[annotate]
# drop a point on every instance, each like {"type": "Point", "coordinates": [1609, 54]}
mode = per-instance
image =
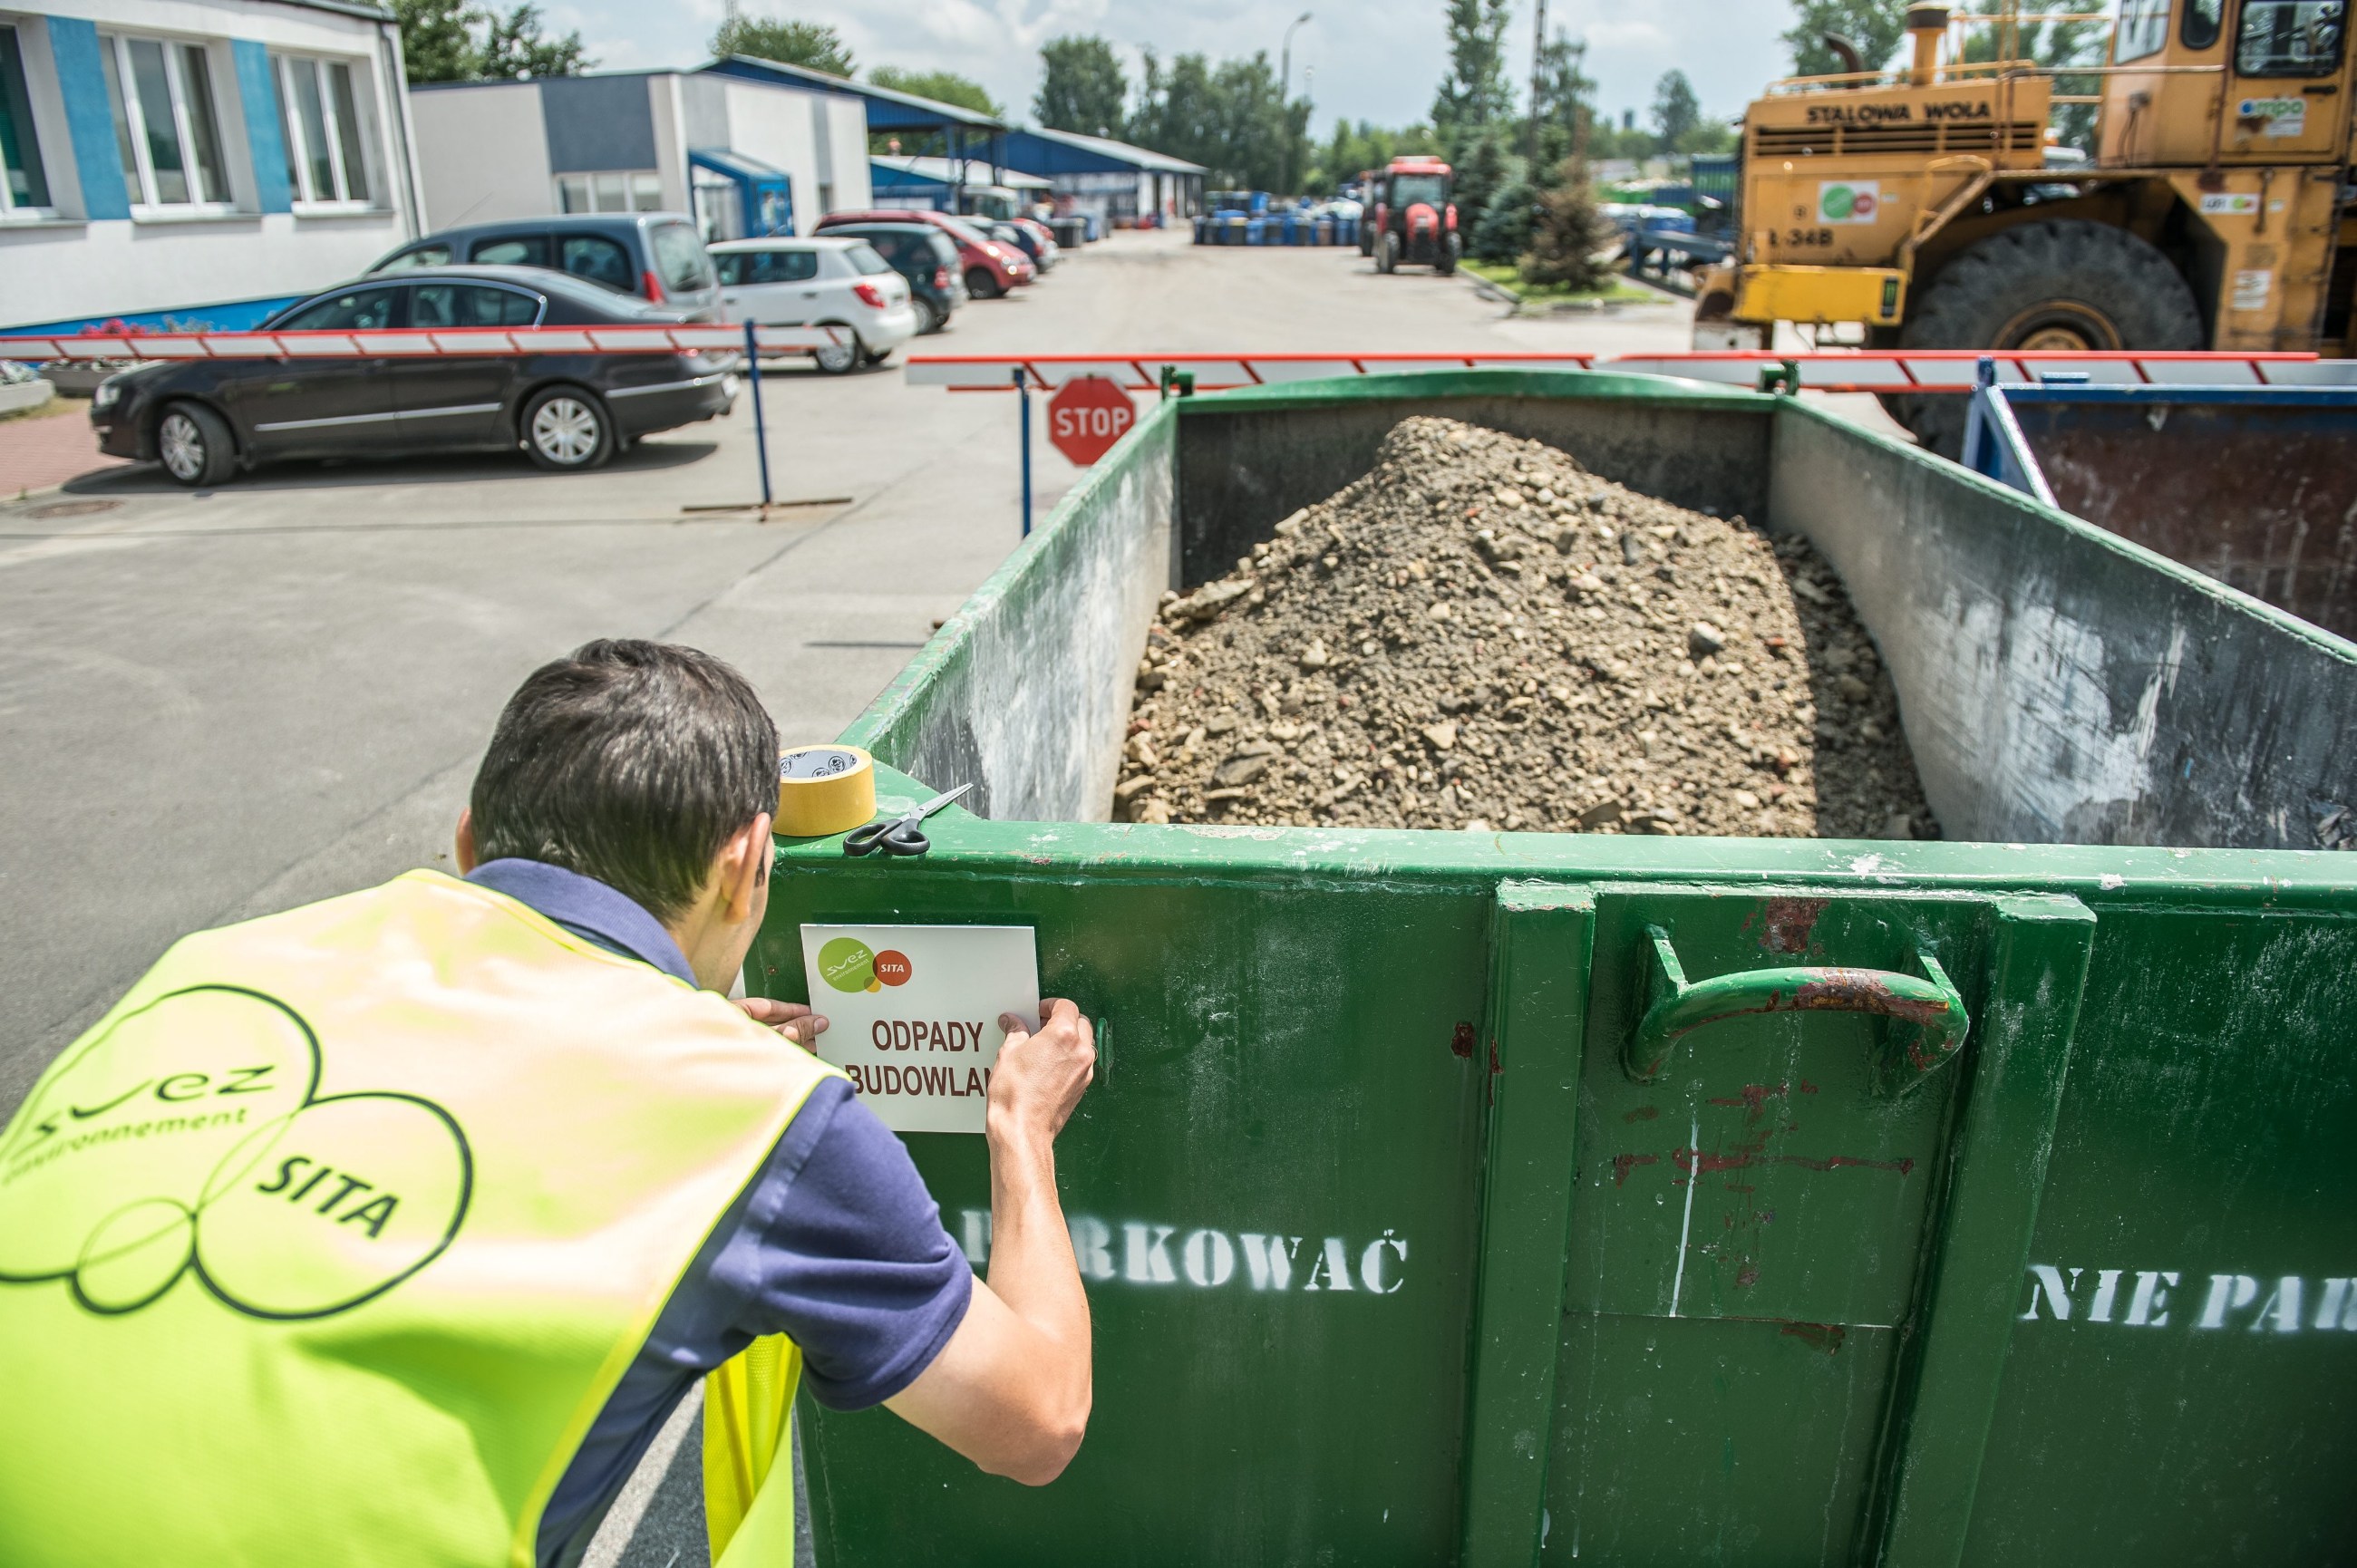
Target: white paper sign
{"type": "Point", "coordinates": [912, 1013]}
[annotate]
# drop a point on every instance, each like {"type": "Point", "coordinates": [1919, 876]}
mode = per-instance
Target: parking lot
{"type": "Point", "coordinates": [227, 701]}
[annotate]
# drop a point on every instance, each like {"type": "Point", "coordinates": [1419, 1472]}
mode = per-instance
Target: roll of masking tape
{"type": "Point", "coordinates": [823, 789]}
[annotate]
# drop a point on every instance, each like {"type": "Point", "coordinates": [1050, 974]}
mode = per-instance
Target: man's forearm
{"type": "Point", "coordinates": [1031, 1264]}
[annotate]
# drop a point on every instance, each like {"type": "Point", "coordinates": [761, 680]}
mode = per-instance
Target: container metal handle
{"type": "Point", "coordinates": [1679, 1007]}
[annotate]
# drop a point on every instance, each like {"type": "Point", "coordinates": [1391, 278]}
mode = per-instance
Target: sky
{"type": "Point", "coordinates": [1370, 60]}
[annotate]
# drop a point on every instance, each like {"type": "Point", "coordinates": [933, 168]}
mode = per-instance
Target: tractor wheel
{"type": "Point", "coordinates": [2063, 283]}
{"type": "Point", "coordinates": [1450, 248]}
{"type": "Point", "coordinates": [1387, 253]}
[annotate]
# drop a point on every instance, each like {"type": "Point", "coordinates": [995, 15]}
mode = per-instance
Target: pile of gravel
{"type": "Point", "coordinates": [1482, 634]}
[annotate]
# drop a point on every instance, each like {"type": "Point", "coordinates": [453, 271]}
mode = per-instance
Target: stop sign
{"type": "Point", "coordinates": [1086, 416]}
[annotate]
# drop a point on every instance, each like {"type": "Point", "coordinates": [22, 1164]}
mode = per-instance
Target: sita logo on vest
{"type": "Point", "coordinates": [191, 1130]}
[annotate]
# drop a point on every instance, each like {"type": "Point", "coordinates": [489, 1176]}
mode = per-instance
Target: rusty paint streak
{"type": "Point", "coordinates": [1790, 924]}
{"type": "Point", "coordinates": [1755, 1097]}
{"type": "Point", "coordinates": [1460, 1041]}
{"type": "Point", "coordinates": [1623, 1163]}
{"type": "Point", "coordinates": [1694, 1161]}
{"type": "Point", "coordinates": [1863, 991]}
{"type": "Point", "coordinates": [1642, 1113]}
{"type": "Point", "coordinates": [1825, 1336]}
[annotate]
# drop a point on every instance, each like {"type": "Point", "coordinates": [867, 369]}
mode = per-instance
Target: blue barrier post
{"type": "Point", "coordinates": [761, 427]}
{"type": "Point", "coordinates": [1023, 398]}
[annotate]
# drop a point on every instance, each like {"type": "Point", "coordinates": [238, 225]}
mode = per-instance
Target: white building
{"type": "Point", "coordinates": [745, 158]}
{"type": "Point", "coordinates": [185, 162]}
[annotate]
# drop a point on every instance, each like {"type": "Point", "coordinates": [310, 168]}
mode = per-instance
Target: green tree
{"type": "Point", "coordinates": [1876, 26]}
{"type": "Point", "coordinates": [1505, 231]}
{"type": "Point", "coordinates": [811, 44]}
{"type": "Point", "coordinates": [1569, 235]}
{"type": "Point", "coordinates": [435, 44]}
{"type": "Point", "coordinates": [449, 41]}
{"type": "Point", "coordinates": [516, 48]}
{"type": "Point", "coordinates": [1482, 176]}
{"type": "Point", "coordinates": [941, 86]}
{"type": "Point", "coordinates": [1713, 138]}
{"type": "Point", "coordinates": [1676, 110]}
{"type": "Point", "coordinates": [1231, 118]}
{"type": "Point", "coordinates": [1563, 101]}
{"type": "Point", "coordinates": [1353, 149]}
{"type": "Point", "coordinates": [2053, 46]}
{"type": "Point", "coordinates": [1081, 87]}
{"type": "Point", "coordinates": [1474, 93]}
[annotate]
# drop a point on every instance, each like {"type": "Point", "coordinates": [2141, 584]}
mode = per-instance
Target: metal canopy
{"type": "Point", "coordinates": [968, 135]}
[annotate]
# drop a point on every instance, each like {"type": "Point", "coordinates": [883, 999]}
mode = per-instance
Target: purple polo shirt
{"type": "Point", "coordinates": [835, 1243]}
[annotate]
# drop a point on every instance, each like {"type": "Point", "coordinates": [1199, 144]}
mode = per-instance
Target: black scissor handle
{"type": "Point", "coordinates": [900, 837]}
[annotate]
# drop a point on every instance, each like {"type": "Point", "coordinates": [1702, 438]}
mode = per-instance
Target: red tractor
{"type": "Point", "coordinates": [1414, 223]}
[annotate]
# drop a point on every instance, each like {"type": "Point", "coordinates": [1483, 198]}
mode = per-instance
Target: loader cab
{"type": "Point", "coordinates": [2279, 70]}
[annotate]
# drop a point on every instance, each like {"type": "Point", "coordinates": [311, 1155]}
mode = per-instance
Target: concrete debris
{"type": "Point", "coordinates": [1459, 640]}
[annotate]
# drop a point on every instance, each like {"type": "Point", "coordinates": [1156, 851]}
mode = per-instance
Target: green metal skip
{"type": "Point", "coordinates": [1518, 1198]}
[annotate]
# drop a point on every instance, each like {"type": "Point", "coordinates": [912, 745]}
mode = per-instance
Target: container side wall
{"type": "Point", "coordinates": [2185, 1337]}
{"type": "Point", "coordinates": [2059, 684]}
{"type": "Point", "coordinates": [1026, 691]}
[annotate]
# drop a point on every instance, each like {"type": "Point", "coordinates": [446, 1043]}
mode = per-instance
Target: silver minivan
{"type": "Point", "coordinates": [658, 256]}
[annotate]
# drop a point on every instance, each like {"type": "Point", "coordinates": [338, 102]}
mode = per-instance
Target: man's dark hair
{"type": "Point", "coordinates": [631, 762]}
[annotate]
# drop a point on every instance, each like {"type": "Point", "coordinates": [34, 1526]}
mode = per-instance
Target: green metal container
{"type": "Point", "coordinates": [1503, 1198]}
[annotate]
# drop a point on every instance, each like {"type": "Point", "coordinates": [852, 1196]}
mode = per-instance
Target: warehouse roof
{"type": "Point", "coordinates": [887, 110]}
{"type": "Point", "coordinates": [1068, 152]}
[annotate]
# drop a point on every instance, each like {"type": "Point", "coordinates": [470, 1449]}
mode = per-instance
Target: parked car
{"type": "Point", "coordinates": [924, 255]}
{"type": "Point", "coordinates": [991, 268]}
{"type": "Point", "coordinates": [1034, 239]}
{"type": "Point", "coordinates": [822, 282]}
{"type": "Point", "coordinates": [205, 419]}
{"type": "Point", "coordinates": [658, 256]}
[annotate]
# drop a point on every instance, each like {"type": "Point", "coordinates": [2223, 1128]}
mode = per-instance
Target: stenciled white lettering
{"type": "Point", "coordinates": [1155, 1255]}
{"type": "Point", "coordinates": [2258, 1304]}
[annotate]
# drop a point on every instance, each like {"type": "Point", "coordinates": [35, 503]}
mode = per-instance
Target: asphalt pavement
{"type": "Point", "coordinates": [216, 704]}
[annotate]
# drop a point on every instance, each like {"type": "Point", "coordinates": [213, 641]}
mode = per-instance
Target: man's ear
{"type": "Point", "coordinates": [468, 859]}
{"type": "Point", "coordinates": [744, 869]}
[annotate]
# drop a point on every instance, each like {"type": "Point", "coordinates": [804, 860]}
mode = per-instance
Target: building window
{"type": "Point", "coordinates": [166, 128]}
{"type": "Point", "coordinates": [323, 120]}
{"type": "Point", "coordinates": [614, 192]}
{"type": "Point", "coordinates": [26, 190]}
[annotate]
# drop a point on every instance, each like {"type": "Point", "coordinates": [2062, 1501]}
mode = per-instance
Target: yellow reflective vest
{"type": "Point", "coordinates": [328, 1242]}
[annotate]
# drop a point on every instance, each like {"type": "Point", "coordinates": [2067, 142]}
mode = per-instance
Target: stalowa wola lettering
{"type": "Point", "coordinates": [1144, 1253]}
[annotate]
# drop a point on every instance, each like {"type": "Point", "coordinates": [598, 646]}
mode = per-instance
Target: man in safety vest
{"type": "Point", "coordinates": [391, 1229]}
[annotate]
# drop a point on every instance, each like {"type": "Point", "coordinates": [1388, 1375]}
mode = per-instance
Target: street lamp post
{"type": "Point", "coordinates": [1285, 99]}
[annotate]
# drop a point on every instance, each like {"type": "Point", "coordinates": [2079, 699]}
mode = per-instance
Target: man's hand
{"type": "Point", "coordinates": [1012, 1389]}
{"type": "Point", "coordinates": [791, 1019]}
{"type": "Point", "coordinates": [1039, 1077]}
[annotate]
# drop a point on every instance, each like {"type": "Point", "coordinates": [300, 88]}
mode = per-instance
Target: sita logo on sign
{"type": "Point", "coordinates": [851, 965]}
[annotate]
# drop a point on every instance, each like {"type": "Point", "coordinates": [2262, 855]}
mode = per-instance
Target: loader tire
{"type": "Point", "coordinates": [2059, 283]}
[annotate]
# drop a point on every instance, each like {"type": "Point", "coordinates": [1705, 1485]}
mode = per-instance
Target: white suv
{"type": "Point", "coordinates": [818, 283]}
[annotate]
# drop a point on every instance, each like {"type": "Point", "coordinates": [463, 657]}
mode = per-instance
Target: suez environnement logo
{"type": "Point", "coordinates": [851, 965]}
{"type": "Point", "coordinates": [1848, 201]}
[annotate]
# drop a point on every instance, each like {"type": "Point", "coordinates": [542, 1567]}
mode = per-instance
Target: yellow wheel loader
{"type": "Point", "coordinates": [1932, 208]}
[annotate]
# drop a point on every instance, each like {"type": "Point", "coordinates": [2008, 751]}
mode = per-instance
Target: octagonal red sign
{"type": "Point", "coordinates": [1086, 416]}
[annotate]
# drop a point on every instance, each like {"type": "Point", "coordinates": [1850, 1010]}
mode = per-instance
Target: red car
{"type": "Point", "coordinates": [991, 268]}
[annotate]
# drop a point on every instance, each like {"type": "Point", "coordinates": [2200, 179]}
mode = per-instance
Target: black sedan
{"type": "Point", "coordinates": [205, 419]}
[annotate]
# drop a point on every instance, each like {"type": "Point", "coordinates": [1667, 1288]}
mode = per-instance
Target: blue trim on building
{"type": "Point", "coordinates": [257, 89]}
{"type": "Point", "coordinates": [90, 118]}
{"type": "Point", "coordinates": [230, 315]}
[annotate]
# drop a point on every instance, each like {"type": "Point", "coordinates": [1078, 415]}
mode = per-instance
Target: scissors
{"type": "Point", "coordinates": [901, 835]}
